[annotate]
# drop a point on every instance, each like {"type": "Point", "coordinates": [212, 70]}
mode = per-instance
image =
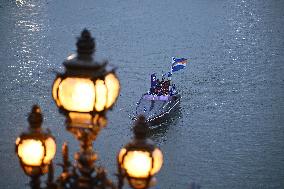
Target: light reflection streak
{"type": "Point", "coordinates": [29, 25]}
{"type": "Point", "coordinates": [243, 23]}
{"type": "Point", "coordinates": [26, 45]}
{"type": "Point", "coordinates": [20, 2]}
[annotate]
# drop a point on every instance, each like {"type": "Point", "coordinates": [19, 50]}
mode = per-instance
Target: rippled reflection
{"type": "Point", "coordinates": [20, 2]}
{"type": "Point", "coordinates": [29, 35]}
{"type": "Point", "coordinates": [28, 25]}
{"type": "Point", "coordinates": [158, 133]}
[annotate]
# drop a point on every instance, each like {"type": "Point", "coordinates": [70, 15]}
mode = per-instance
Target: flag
{"type": "Point", "coordinates": [178, 63]}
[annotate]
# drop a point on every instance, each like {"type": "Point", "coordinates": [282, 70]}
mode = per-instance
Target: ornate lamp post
{"type": "Point", "coordinates": [35, 148]}
{"type": "Point", "coordinates": [84, 93]}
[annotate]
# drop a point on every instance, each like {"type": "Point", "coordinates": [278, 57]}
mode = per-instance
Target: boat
{"type": "Point", "coordinates": [159, 103]}
{"type": "Point", "coordinates": [162, 100]}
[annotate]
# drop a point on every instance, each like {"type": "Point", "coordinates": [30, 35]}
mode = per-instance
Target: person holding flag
{"type": "Point", "coordinates": [153, 80]}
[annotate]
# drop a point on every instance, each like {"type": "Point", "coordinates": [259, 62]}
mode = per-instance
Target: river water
{"type": "Point", "coordinates": [229, 132]}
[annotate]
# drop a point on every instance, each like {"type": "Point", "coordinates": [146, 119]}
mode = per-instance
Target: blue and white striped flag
{"type": "Point", "coordinates": [178, 63]}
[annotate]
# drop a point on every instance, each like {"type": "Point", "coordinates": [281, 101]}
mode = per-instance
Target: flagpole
{"type": "Point", "coordinates": [170, 78]}
{"type": "Point", "coordinates": [171, 74]}
{"type": "Point", "coordinates": [171, 69]}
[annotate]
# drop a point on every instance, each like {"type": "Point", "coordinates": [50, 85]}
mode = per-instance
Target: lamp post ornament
{"type": "Point", "coordinates": [83, 94]}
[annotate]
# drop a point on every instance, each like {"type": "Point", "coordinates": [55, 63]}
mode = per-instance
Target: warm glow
{"type": "Point", "coordinates": [18, 140]}
{"type": "Point", "coordinates": [158, 161]}
{"type": "Point", "coordinates": [137, 183]}
{"type": "Point", "coordinates": [80, 117]}
{"type": "Point", "coordinates": [101, 95]}
{"type": "Point", "coordinates": [77, 94]}
{"type": "Point", "coordinates": [50, 150]}
{"type": "Point", "coordinates": [112, 85]}
{"type": "Point", "coordinates": [120, 155]}
{"type": "Point", "coordinates": [31, 152]}
{"type": "Point", "coordinates": [100, 121]}
{"type": "Point", "coordinates": [137, 164]}
{"type": "Point", "coordinates": [54, 90]}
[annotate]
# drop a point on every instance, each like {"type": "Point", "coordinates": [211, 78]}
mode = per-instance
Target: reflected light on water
{"type": "Point", "coordinates": [28, 42]}
{"type": "Point", "coordinates": [28, 25]}
{"type": "Point", "coordinates": [20, 2]}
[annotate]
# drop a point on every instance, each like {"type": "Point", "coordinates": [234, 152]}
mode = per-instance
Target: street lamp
{"type": "Point", "coordinates": [35, 148]}
{"type": "Point", "coordinates": [87, 89]}
{"type": "Point", "coordinates": [83, 94]}
{"type": "Point", "coordinates": [140, 159]}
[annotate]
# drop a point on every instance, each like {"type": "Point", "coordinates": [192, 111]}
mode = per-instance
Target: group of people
{"type": "Point", "coordinates": [162, 87]}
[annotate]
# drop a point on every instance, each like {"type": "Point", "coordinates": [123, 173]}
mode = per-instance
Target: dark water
{"type": "Point", "coordinates": [229, 132]}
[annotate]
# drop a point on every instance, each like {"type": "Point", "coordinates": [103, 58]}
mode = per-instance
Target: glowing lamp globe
{"type": "Point", "coordinates": [87, 88]}
{"type": "Point", "coordinates": [140, 160]}
{"type": "Point", "coordinates": [35, 148]}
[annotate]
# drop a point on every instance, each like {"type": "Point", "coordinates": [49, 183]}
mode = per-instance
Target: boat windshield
{"type": "Point", "coordinates": [155, 97]}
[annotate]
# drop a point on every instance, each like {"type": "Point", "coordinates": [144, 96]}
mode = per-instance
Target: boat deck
{"type": "Point", "coordinates": [156, 108]}
{"type": "Point", "coordinates": [150, 108]}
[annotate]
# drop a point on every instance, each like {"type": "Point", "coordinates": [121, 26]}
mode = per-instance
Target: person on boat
{"type": "Point", "coordinates": [158, 87]}
{"type": "Point", "coordinates": [158, 84]}
{"type": "Point", "coordinates": [166, 87]}
{"type": "Point", "coordinates": [152, 91]}
{"type": "Point", "coordinates": [163, 80]}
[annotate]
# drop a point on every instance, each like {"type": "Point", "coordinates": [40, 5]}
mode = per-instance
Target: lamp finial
{"type": "Point", "coordinates": [85, 45]}
{"type": "Point", "coordinates": [35, 117]}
